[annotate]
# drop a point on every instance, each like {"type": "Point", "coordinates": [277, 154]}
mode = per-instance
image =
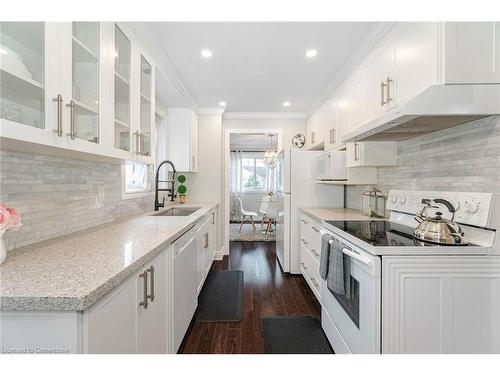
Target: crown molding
{"type": "Point", "coordinates": [367, 44]}
{"type": "Point", "coordinates": [265, 115]}
{"type": "Point", "coordinates": [210, 111]}
{"type": "Point", "coordinates": [163, 61]}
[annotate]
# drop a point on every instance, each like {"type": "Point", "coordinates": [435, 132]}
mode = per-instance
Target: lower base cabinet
{"type": "Point", "coordinates": [131, 319]}
{"type": "Point", "coordinates": [137, 316]}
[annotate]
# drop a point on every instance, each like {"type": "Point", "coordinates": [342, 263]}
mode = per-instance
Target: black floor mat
{"type": "Point", "coordinates": [221, 298]}
{"type": "Point", "coordinates": [294, 335]}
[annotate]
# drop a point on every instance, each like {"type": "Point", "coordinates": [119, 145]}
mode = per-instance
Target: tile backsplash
{"type": "Point", "coordinates": [461, 158]}
{"type": "Point", "coordinates": [59, 195]}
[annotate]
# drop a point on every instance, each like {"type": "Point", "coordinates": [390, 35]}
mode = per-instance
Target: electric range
{"type": "Point", "coordinates": [395, 280]}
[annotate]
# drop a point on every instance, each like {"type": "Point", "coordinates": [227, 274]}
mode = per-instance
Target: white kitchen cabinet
{"type": "Point", "coordinates": [133, 317]}
{"type": "Point", "coordinates": [472, 52]}
{"type": "Point", "coordinates": [415, 64]}
{"type": "Point", "coordinates": [440, 304]}
{"type": "Point", "coordinates": [31, 101]}
{"type": "Point", "coordinates": [183, 139]}
{"type": "Point", "coordinates": [330, 125]}
{"type": "Point", "coordinates": [371, 154]}
{"type": "Point", "coordinates": [152, 328]}
{"type": "Point", "coordinates": [314, 138]}
{"type": "Point", "coordinates": [356, 102]}
{"type": "Point", "coordinates": [206, 237]}
{"type": "Point", "coordinates": [376, 86]}
{"type": "Point", "coordinates": [310, 249]}
{"type": "Point", "coordinates": [77, 87]}
{"type": "Point", "coordinates": [112, 323]}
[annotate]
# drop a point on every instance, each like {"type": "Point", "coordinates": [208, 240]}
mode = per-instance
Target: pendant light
{"type": "Point", "coordinates": [271, 156]}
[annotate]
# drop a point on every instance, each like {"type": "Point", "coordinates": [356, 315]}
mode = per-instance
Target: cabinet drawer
{"type": "Point", "coordinates": [309, 268]}
{"type": "Point", "coordinates": [310, 232]}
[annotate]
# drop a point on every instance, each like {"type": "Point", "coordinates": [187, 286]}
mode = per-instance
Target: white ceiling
{"type": "Point", "coordinates": [256, 66]}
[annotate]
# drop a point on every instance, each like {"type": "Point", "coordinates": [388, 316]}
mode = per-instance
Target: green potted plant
{"type": "Point", "coordinates": [182, 189]}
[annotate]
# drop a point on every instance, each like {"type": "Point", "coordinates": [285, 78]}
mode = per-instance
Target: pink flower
{"type": "Point", "coordinates": [9, 218]}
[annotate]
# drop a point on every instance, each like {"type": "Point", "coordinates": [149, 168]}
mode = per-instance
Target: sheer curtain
{"type": "Point", "coordinates": [235, 182]}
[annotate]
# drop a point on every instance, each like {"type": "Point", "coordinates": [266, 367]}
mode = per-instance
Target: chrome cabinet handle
{"type": "Point", "coordinates": [313, 137]}
{"type": "Point", "coordinates": [144, 302]}
{"type": "Point", "coordinates": [355, 255]}
{"type": "Point", "coordinates": [383, 85]}
{"type": "Point", "coordinates": [71, 105]}
{"type": "Point", "coordinates": [151, 270]}
{"type": "Point", "coordinates": [137, 143]}
{"type": "Point", "coordinates": [304, 241]}
{"type": "Point", "coordinates": [59, 100]}
{"type": "Point", "coordinates": [314, 252]}
{"type": "Point", "coordinates": [206, 241]}
{"type": "Point", "coordinates": [315, 229]}
{"type": "Point", "coordinates": [388, 84]}
{"type": "Point", "coordinates": [304, 221]}
{"type": "Point", "coordinates": [315, 283]}
{"type": "Point", "coordinates": [333, 135]}
{"type": "Point", "coordinates": [303, 265]}
{"type": "Point", "coordinates": [194, 159]}
{"type": "Point", "coordinates": [356, 151]}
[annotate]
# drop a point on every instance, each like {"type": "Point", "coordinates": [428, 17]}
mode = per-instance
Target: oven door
{"type": "Point", "coordinates": [353, 324]}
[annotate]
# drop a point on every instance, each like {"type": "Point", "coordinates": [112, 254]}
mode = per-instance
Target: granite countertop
{"type": "Point", "coordinates": [327, 214]}
{"type": "Point", "coordinates": [73, 272]}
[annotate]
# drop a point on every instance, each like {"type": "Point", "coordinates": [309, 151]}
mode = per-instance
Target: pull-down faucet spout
{"type": "Point", "coordinates": [171, 190]}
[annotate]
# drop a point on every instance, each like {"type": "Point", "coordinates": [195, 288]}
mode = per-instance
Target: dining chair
{"type": "Point", "coordinates": [246, 213]}
{"type": "Point", "coordinates": [264, 206]}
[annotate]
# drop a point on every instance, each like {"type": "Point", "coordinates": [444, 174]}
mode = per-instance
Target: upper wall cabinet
{"type": "Point", "coordinates": [77, 86]}
{"type": "Point", "coordinates": [409, 61]}
{"type": "Point", "coordinates": [472, 52]}
{"type": "Point", "coordinates": [183, 139]}
{"type": "Point", "coordinates": [31, 103]}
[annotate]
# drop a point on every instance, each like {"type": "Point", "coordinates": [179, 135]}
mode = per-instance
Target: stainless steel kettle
{"type": "Point", "coordinates": [437, 229]}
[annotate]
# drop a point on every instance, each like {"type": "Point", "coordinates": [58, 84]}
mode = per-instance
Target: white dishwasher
{"type": "Point", "coordinates": [185, 297]}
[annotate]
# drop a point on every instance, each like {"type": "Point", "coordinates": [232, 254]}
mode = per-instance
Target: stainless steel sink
{"type": "Point", "coordinates": [177, 211]}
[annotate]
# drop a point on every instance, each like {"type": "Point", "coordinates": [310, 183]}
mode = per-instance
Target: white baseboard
{"type": "Point", "coordinates": [219, 254]}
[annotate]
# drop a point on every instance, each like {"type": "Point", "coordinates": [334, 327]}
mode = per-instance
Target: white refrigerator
{"type": "Point", "coordinates": [296, 189]}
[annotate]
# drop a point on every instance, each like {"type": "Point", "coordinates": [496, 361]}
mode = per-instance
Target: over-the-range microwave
{"type": "Point", "coordinates": [330, 166]}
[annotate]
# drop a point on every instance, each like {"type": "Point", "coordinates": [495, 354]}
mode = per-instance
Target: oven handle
{"type": "Point", "coordinates": [355, 255]}
{"type": "Point", "coordinates": [352, 253]}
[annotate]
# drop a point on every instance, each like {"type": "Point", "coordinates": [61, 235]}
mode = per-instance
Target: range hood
{"type": "Point", "coordinates": [437, 107]}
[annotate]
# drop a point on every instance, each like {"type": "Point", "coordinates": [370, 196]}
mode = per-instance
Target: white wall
{"type": "Point", "coordinates": [289, 127]}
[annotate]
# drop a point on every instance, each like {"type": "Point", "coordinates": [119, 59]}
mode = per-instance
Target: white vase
{"type": "Point", "coordinates": [3, 250]}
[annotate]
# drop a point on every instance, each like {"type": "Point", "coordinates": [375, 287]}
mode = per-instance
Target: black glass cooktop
{"type": "Point", "coordinates": [381, 232]}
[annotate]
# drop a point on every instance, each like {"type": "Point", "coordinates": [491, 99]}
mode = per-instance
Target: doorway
{"type": "Point", "coordinates": [250, 206]}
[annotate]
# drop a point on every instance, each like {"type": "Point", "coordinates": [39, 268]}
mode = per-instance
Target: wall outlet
{"type": "Point", "coordinates": [101, 194]}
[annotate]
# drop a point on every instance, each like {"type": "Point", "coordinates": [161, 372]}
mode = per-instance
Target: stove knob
{"type": "Point", "coordinates": [402, 199]}
{"type": "Point", "coordinates": [471, 207]}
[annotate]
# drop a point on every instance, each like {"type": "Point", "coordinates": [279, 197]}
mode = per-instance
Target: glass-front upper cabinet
{"type": "Point", "coordinates": [146, 94]}
{"type": "Point", "coordinates": [22, 62]}
{"type": "Point", "coordinates": [85, 81]}
{"type": "Point", "coordinates": [122, 90]}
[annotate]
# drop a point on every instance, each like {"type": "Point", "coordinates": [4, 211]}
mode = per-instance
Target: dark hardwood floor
{"type": "Point", "coordinates": [267, 292]}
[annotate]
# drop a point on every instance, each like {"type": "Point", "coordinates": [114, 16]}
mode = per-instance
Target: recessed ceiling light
{"type": "Point", "coordinates": [311, 53]}
{"type": "Point", "coordinates": [222, 104]}
{"type": "Point", "coordinates": [286, 104]}
{"type": "Point", "coordinates": [206, 53]}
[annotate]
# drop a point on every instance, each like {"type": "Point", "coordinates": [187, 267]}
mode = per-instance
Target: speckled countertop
{"type": "Point", "coordinates": [73, 272]}
{"type": "Point", "coordinates": [326, 214]}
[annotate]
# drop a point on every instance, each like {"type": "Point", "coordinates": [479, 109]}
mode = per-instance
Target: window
{"type": "Point", "coordinates": [137, 178]}
{"type": "Point", "coordinates": [253, 173]}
